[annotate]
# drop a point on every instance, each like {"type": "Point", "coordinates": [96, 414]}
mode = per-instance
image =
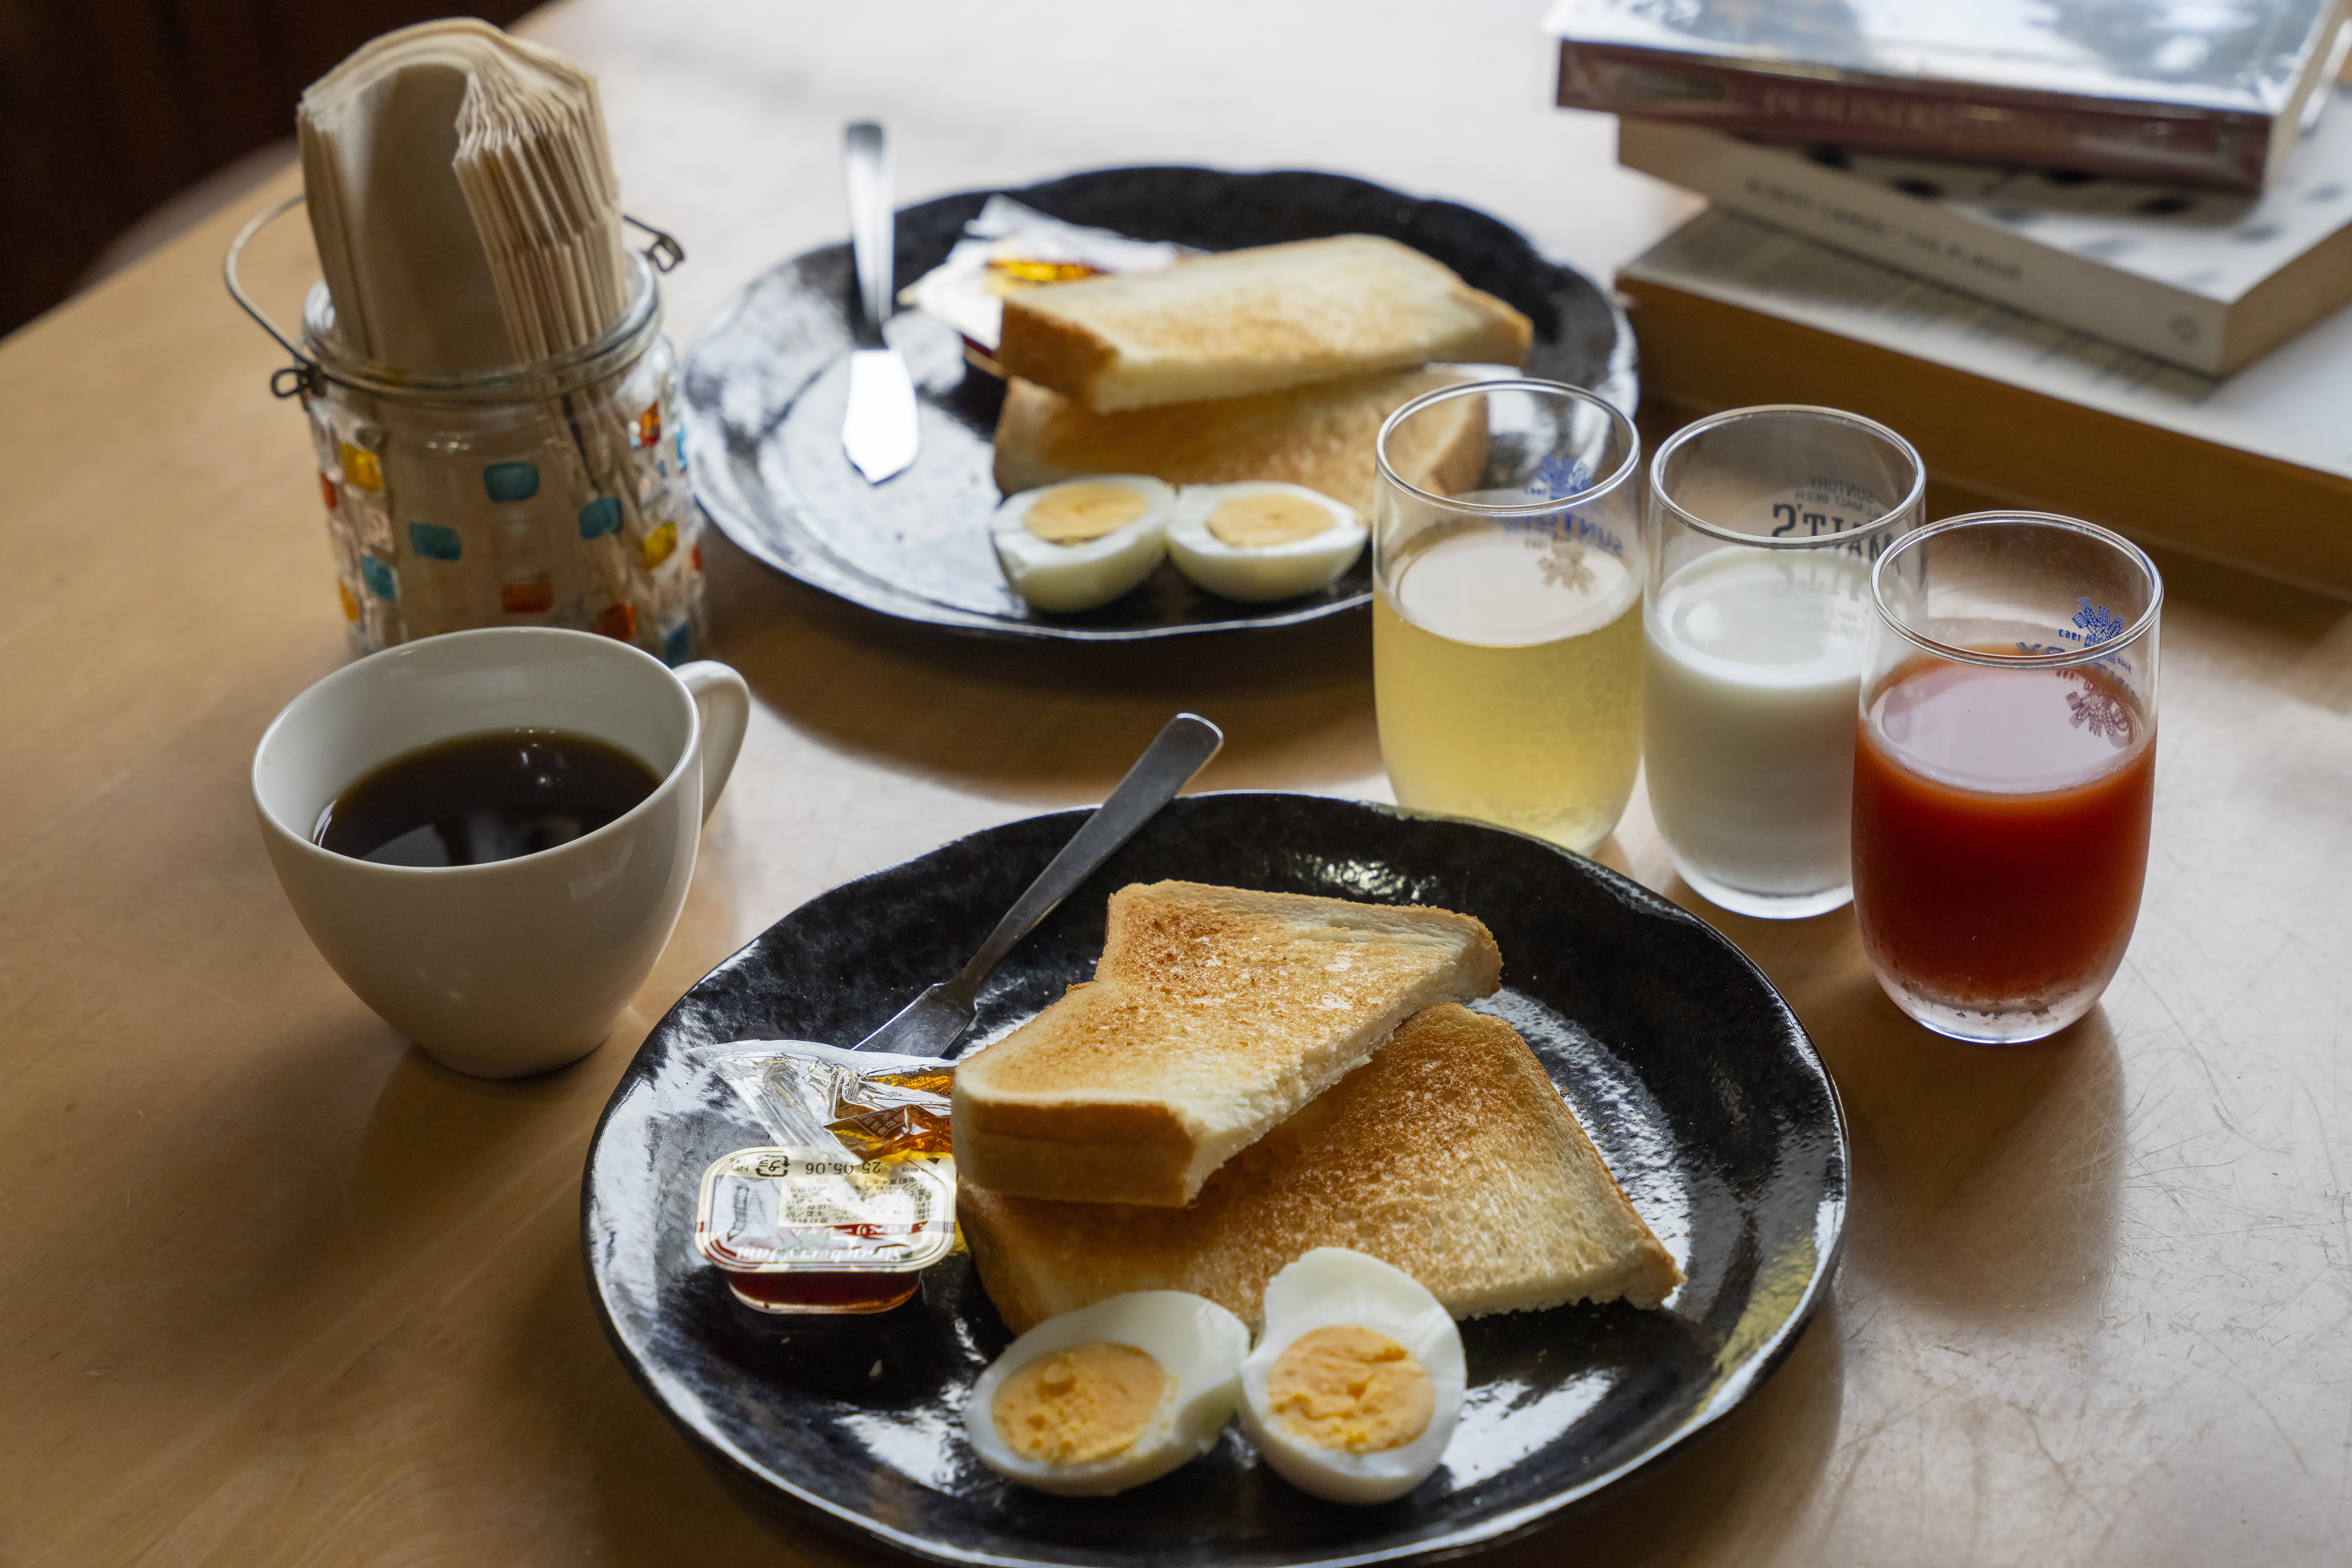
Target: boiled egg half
{"type": "Point", "coordinates": [1260, 540]}
{"type": "Point", "coordinates": [1356, 1383]}
{"type": "Point", "coordinates": [1109, 1396]}
{"type": "Point", "coordinates": [1079, 544]}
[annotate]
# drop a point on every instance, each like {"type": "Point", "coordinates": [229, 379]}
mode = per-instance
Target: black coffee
{"type": "Point", "coordinates": [484, 797]}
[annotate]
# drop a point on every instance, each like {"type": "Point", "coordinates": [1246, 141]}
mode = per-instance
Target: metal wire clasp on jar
{"type": "Point", "coordinates": [551, 493]}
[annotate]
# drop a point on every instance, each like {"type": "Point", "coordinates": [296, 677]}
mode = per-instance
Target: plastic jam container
{"type": "Point", "coordinates": [805, 1231]}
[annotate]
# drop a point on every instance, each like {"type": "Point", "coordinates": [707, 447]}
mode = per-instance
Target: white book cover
{"type": "Point", "coordinates": [2205, 279]}
{"type": "Point", "coordinates": [2294, 405]}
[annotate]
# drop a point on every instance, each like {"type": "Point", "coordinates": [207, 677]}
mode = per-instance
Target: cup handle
{"type": "Point", "coordinates": [726, 704]}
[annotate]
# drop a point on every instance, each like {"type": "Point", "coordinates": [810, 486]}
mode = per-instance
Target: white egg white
{"type": "Point", "coordinates": [1334, 1287]}
{"type": "Point", "coordinates": [1199, 1346]}
{"type": "Point", "coordinates": [1063, 579]}
{"type": "Point", "coordinates": [1257, 574]}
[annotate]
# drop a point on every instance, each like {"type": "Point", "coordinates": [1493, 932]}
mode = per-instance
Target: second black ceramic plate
{"type": "Point", "coordinates": [767, 381]}
{"type": "Point", "coordinates": [1692, 1075]}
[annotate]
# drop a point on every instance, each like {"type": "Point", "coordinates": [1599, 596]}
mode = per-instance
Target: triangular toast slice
{"type": "Point", "coordinates": [1254, 321]}
{"type": "Point", "coordinates": [1449, 1155]}
{"type": "Point", "coordinates": [1214, 1014]}
{"type": "Point", "coordinates": [1320, 435]}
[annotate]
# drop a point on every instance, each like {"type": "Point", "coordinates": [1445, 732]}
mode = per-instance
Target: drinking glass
{"type": "Point", "coordinates": [2004, 772]}
{"type": "Point", "coordinates": [1762, 526]}
{"type": "Point", "coordinates": [1507, 569]}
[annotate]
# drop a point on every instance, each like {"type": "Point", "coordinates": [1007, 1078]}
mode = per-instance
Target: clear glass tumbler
{"type": "Point", "coordinates": [1763, 523]}
{"type": "Point", "coordinates": [2005, 770]}
{"type": "Point", "coordinates": [1506, 568]}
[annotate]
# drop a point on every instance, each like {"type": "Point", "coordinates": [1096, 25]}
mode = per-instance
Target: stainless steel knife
{"type": "Point", "coordinates": [880, 431]}
{"type": "Point", "coordinates": [934, 1021]}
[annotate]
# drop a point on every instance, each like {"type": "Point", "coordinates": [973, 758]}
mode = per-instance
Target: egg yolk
{"type": "Point", "coordinates": [1351, 1388]}
{"type": "Point", "coordinates": [1072, 514]}
{"type": "Point", "coordinates": [1253, 522]}
{"type": "Point", "coordinates": [1076, 1406]}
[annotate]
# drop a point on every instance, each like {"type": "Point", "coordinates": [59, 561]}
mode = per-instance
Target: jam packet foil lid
{"type": "Point", "coordinates": [796, 1211]}
{"type": "Point", "coordinates": [851, 1105]}
{"type": "Point", "coordinates": [1008, 246]}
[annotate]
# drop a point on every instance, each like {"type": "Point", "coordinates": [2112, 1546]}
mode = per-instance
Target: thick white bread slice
{"type": "Point", "coordinates": [1449, 1155]}
{"type": "Point", "coordinates": [1319, 435]}
{"type": "Point", "coordinates": [1214, 1014]}
{"type": "Point", "coordinates": [1254, 321]}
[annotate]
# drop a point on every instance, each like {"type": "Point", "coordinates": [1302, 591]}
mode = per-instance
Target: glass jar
{"type": "Point", "coordinates": [552, 493]}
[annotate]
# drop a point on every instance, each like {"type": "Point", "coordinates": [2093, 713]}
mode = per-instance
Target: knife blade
{"type": "Point", "coordinates": [879, 431]}
{"type": "Point", "coordinates": [937, 1018]}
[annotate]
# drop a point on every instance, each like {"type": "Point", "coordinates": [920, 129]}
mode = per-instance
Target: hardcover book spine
{"type": "Point", "coordinates": [1930, 240]}
{"type": "Point", "coordinates": [1974, 123]}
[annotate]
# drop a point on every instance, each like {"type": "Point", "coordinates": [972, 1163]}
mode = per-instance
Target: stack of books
{"type": "Point", "coordinates": [2170, 358]}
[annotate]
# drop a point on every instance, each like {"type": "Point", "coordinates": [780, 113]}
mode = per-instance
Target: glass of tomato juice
{"type": "Point", "coordinates": [2004, 770]}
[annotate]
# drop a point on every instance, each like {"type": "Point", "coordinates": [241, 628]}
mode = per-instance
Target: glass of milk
{"type": "Point", "coordinates": [1762, 526]}
{"type": "Point", "coordinates": [1507, 640]}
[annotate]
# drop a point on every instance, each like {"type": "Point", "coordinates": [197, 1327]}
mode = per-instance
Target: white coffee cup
{"type": "Point", "coordinates": [514, 966]}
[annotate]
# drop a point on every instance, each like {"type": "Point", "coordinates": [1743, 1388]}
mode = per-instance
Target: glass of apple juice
{"type": "Point", "coordinates": [1507, 624]}
{"type": "Point", "coordinates": [2004, 771]}
{"type": "Point", "coordinates": [1762, 526]}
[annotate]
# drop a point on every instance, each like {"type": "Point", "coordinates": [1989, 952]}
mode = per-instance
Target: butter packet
{"type": "Point", "coordinates": [855, 1106]}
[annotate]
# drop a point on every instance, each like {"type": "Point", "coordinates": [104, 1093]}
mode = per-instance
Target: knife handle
{"type": "Point", "coordinates": [1182, 749]}
{"type": "Point", "coordinates": [865, 167]}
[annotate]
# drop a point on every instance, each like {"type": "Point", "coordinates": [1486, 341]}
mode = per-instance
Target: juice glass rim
{"type": "Point", "coordinates": [1911, 498]}
{"type": "Point", "coordinates": [1632, 465]}
{"type": "Point", "coordinates": [2087, 653]}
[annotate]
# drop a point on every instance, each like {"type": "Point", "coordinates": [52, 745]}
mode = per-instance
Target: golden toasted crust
{"type": "Point", "coordinates": [1320, 437]}
{"type": "Point", "coordinates": [1214, 1014]}
{"type": "Point", "coordinates": [1449, 1155]}
{"type": "Point", "coordinates": [1254, 321]}
{"type": "Point", "coordinates": [1078, 355]}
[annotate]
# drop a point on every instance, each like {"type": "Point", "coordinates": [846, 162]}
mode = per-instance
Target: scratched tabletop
{"type": "Point", "coordinates": [275, 1290]}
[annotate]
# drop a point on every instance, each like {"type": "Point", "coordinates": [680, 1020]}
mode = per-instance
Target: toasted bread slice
{"type": "Point", "coordinates": [1449, 1155]}
{"type": "Point", "coordinates": [1214, 1014]}
{"type": "Point", "coordinates": [1320, 437]}
{"type": "Point", "coordinates": [1253, 321]}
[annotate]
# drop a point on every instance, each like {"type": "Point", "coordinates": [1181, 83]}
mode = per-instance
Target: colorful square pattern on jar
{"type": "Point", "coordinates": [511, 481]}
{"type": "Point", "coordinates": [600, 517]}
{"type": "Point", "coordinates": [361, 469]}
{"type": "Point", "coordinates": [530, 597]}
{"type": "Point", "coordinates": [432, 541]}
{"type": "Point", "coordinates": [659, 545]}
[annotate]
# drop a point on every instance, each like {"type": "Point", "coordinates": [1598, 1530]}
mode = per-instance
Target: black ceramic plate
{"type": "Point", "coordinates": [767, 380]}
{"type": "Point", "coordinates": [1691, 1073]}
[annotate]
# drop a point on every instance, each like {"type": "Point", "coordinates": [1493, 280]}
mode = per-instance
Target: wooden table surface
{"type": "Point", "coordinates": [276, 1290]}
